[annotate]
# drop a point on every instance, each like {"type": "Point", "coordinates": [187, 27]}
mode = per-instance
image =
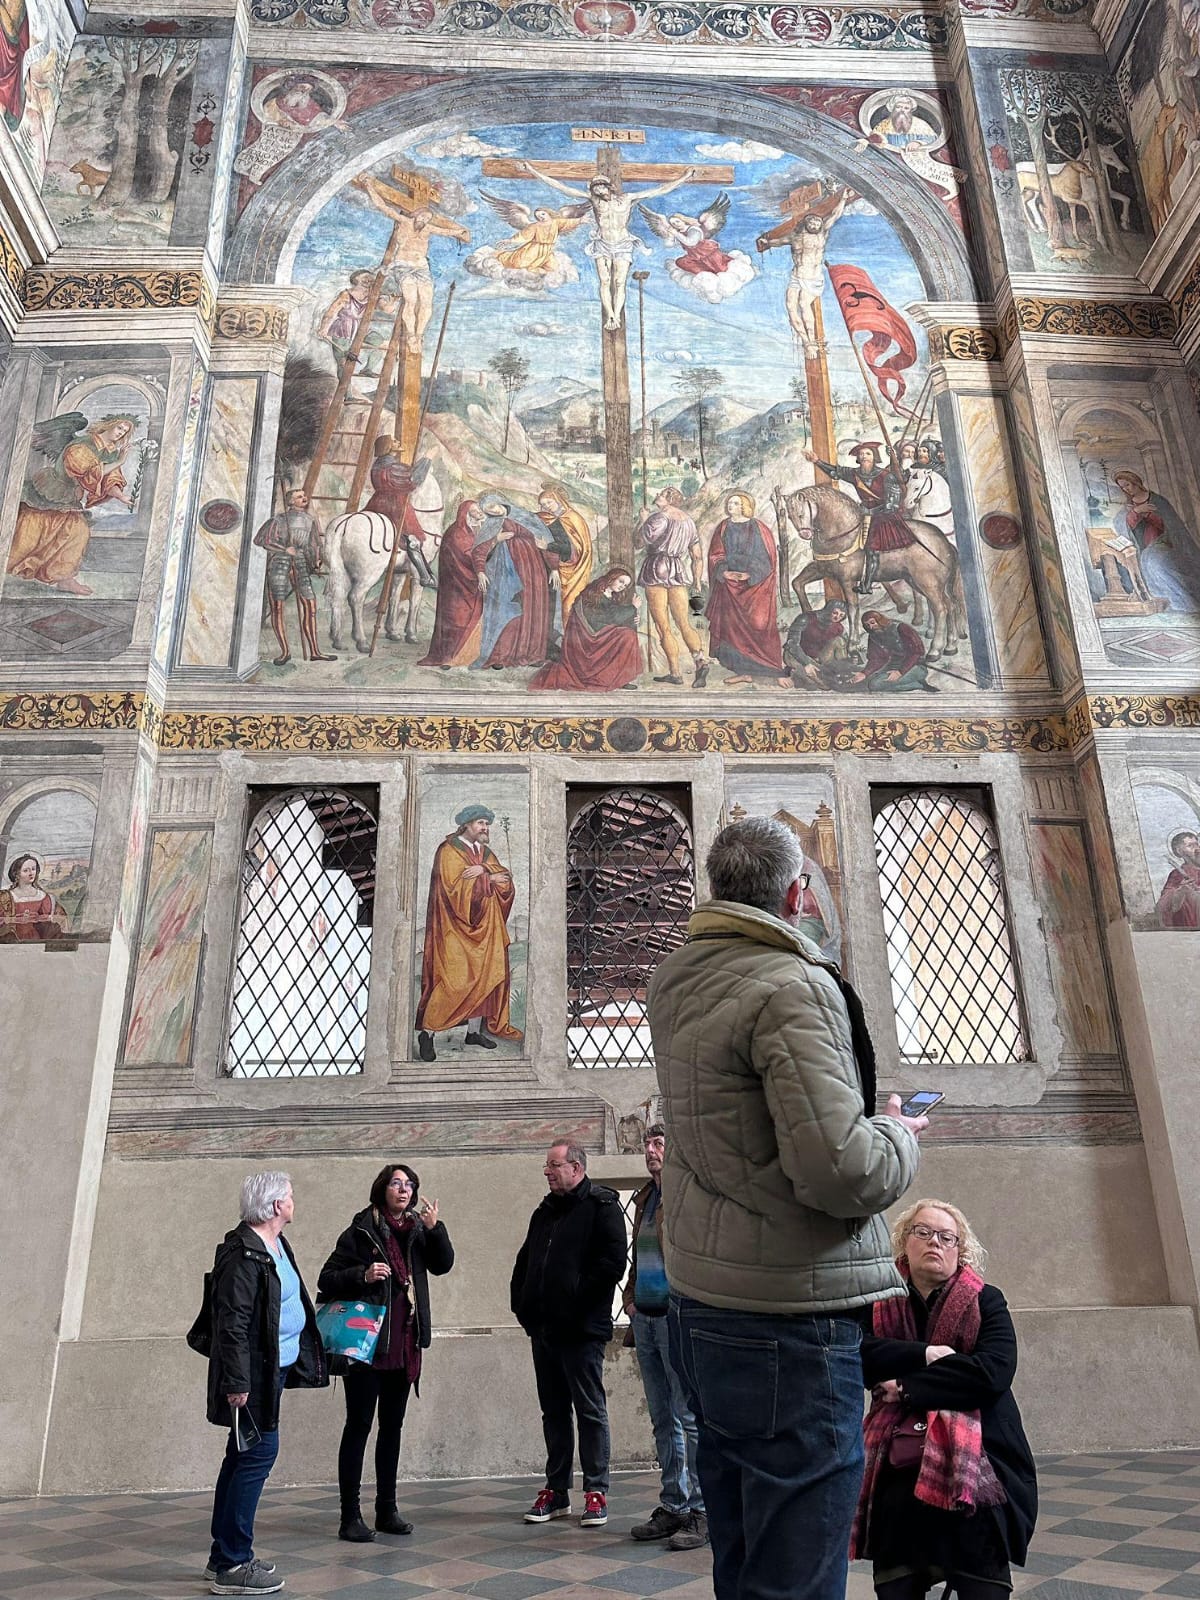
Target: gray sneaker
{"type": "Point", "coordinates": [252, 1577]}
{"type": "Point", "coordinates": [692, 1535]}
{"type": "Point", "coordinates": [210, 1570]}
{"type": "Point", "coordinates": [661, 1525]}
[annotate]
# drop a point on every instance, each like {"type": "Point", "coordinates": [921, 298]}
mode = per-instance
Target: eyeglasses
{"type": "Point", "coordinates": [560, 1165]}
{"type": "Point", "coordinates": [399, 1183]}
{"type": "Point", "coordinates": [942, 1235]}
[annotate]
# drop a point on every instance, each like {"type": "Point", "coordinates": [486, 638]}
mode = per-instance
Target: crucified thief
{"type": "Point", "coordinates": [612, 245]}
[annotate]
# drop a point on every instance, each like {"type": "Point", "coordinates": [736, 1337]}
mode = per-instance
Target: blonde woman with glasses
{"type": "Point", "coordinates": [949, 1492]}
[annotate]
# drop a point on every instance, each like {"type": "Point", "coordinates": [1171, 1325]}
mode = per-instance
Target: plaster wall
{"type": "Point", "coordinates": [47, 1134]}
{"type": "Point", "coordinates": [1073, 1243]}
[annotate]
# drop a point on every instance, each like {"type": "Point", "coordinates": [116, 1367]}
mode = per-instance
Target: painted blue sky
{"type": "Point", "coordinates": [747, 336]}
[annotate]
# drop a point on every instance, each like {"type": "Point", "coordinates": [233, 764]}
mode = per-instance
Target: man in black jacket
{"type": "Point", "coordinates": [562, 1295]}
{"type": "Point", "coordinates": [264, 1339]}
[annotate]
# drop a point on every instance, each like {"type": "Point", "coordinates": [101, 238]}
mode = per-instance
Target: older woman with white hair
{"type": "Point", "coordinates": [264, 1339]}
{"type": "Point", "coordinates": [949, 1492]}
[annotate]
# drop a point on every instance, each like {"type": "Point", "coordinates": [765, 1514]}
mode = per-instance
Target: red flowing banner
{"type": "Point", "coordinates": [866, 311]}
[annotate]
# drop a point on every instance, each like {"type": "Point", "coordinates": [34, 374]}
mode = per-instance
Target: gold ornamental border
{"type": "Point", "coordinates": [50, 289]}
{"type": "Point", "coordinates": [319, 733]}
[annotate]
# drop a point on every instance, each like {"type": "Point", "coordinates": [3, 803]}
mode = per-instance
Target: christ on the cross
{"type": "Point", "coordinates": [612, 245]}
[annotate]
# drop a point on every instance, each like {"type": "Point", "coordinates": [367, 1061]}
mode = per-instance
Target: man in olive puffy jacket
{"type": "Point", "coordinates": [776, 1172]}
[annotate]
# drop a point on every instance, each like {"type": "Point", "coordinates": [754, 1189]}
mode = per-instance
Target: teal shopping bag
{"type": "Point", "coordinates": [350, 1328]}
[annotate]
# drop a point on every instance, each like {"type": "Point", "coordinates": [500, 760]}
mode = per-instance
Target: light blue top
{"type": "Point", "coordinates": [291, 1307]}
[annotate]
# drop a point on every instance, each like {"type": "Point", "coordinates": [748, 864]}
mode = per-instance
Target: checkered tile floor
{"type": "Point", "coordinates": [1112, 1527]}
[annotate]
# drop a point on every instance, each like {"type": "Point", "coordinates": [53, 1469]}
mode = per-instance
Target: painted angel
{"type": "Point", "coordinates": [536, 233]}
{"type": "Point", "coordinates": [703, 268]}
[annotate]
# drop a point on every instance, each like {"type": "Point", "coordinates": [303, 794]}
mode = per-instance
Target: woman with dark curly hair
{"type": "Point", "coordinates": [384, 1256]}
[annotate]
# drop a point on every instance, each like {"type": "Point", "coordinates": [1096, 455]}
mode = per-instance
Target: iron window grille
{"type": "Point", "coordinates": [950, 951]}
{"type": "Point", "coordinates": [302, 971]}
{"type": "Point", "coordinates": [630, 891]}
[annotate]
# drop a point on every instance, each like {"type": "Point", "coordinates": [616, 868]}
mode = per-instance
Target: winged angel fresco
{"type": "Point", "coordinates": [530, 258]}
{"type": "Point", "coordinates": [704, 268]}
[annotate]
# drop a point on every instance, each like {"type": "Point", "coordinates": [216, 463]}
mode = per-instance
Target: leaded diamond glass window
{"type": "Point", "coordinates": [630, 891]}
{"type": "Point", "coordinates": [945, 918]}
{"type": "Point", "coordinates": [299, 1004]}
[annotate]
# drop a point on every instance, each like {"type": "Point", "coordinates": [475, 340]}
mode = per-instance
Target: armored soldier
{"type": "Point", "coordinates": [292, 540]}
{"type": "Point", "coordinates": [881, 491]}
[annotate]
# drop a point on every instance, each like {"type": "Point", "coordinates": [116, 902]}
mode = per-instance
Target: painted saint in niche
{"type": "Point", "coordinates": [1179, 898]}
{"type": "Point", "coordinates": [27, 911]}
{"type": "Point", "coordinates": [289, 106]}
{"type": "Point", "coordinates": [1169, 556]}
{"type": "Point", "coordinates": [465, 974]}
{"type": "Point", "coordinates": [82, 471]}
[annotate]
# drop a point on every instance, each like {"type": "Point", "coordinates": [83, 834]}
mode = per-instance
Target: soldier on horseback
{"type": "Point", "coordinates": [881, 490]}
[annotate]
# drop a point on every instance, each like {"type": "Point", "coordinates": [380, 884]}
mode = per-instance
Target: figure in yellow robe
{"type": "Point", "coordinates": [557, 512]}
{"type": "Point", "coordinates": [536, 233]}
{"type": "Point", "coordinates": [465, 974]}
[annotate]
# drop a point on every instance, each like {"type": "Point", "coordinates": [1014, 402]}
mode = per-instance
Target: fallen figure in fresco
{"type": "Point", "coordinates": [838, 529]}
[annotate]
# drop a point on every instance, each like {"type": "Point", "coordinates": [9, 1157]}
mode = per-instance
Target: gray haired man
{"type": "Point", "coordinates": [776, 1172]}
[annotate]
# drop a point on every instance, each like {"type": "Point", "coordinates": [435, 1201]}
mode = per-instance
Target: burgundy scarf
{"type": "Point", "coordinates": [955, 1473]}
{"type": "Point", "coordinates": [402, 1351]}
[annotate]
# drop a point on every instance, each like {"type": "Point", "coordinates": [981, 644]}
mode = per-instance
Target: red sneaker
{"type": "Point", "coordinates": [550, 1503]}
{"type": "Point", "coordinates": [595, 1510]}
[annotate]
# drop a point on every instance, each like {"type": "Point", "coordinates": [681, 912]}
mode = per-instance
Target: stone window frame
{"type": "Point", "coordinates": [238, 775]}
{"type": "Point", "coordinates": [985, 1084]}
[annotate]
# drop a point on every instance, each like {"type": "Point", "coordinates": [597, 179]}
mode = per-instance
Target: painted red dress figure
{"type": "Point", "coordinates": [1179, 899]}
{"type": "Point", "coordinates": [14, 43]}
{"type": "Point", "coordinates": [881, 491]}
{"type": "Point", "coordinates": [458, 621]}
{"type": "Point", "coordinates": [743, 572]}
{"type": "Point", "coordinates": [600, 646]}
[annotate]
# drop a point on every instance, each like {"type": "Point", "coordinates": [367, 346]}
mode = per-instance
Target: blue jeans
{"type": "Point", "coordinates": [239, 1487]}
{"type": "Point", "coordinates": [778, 1404]}
{"type": "Point", "coordinates": [673, 1423]}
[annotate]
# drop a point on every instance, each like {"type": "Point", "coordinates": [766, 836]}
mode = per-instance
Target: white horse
{"type": "Point", "coordinates": [358, 547]}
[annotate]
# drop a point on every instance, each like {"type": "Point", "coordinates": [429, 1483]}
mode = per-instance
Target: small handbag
{"type": "Point", "coordinates": [350, 1328]}
{"type": "Point", "coordinates": [907, 1444]}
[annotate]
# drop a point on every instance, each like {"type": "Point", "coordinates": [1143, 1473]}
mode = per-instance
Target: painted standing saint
{"type": "Point", "coordinates": [465, 973]}
{"type": "Point", "coordinates": [743, 571]}
{"type": "Point", "coordinates": [83, 470]}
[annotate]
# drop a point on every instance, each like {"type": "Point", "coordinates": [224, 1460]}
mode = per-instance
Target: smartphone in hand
{"type": "Point", "coordinates": [920, 1102]}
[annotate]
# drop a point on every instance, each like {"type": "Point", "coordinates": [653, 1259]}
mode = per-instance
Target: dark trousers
{"type": "Point", "coordinates": [570, 1378]}
{"type": "Point", "coordinates": [366, 1389]}
{"type": "Point", "coordinates": [239, 1488]}
{"type": "Point", "coordinates": [778, 1407]}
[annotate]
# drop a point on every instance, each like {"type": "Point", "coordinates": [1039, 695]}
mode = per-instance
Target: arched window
{"type": "Point", "coordinates": [630, 891]}
{"type": "Point", "coordinates": [299, 1004]}
{"type": "Point", "coordinates": [945, 918]}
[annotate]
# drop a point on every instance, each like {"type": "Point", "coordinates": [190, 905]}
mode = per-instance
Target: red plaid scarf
{"type": "Point", "coordinates": [955, 1473]}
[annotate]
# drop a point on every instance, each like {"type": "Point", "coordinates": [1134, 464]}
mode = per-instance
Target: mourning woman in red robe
{"type": "Point", "coordinates": [514, 565]}
{"type": "Point", "coordinates": [742, 576]}
{"type": "Point", "coordinates": [600, 646]}
{"type": "Point", "coordinates": [458, 621]}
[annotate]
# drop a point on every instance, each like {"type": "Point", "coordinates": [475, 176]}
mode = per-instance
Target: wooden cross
{"type": "Point", "coordinates": [614, 352]}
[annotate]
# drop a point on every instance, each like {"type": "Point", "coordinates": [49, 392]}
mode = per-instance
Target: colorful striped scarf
{"type": "Point", "coordinates": [955, 1473]}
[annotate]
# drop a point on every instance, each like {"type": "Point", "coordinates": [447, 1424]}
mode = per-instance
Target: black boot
{"type": "Point", "coordinates": [866, 584]}
{"type": "Point", "coordinates": [353, 1529]}
{"type": "Point", "coordinates": [482, 1038]}
{"type": "Point", "coordinates": [389, 1520]}
{"type": "Point", "coordinates": [425, 1046]}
